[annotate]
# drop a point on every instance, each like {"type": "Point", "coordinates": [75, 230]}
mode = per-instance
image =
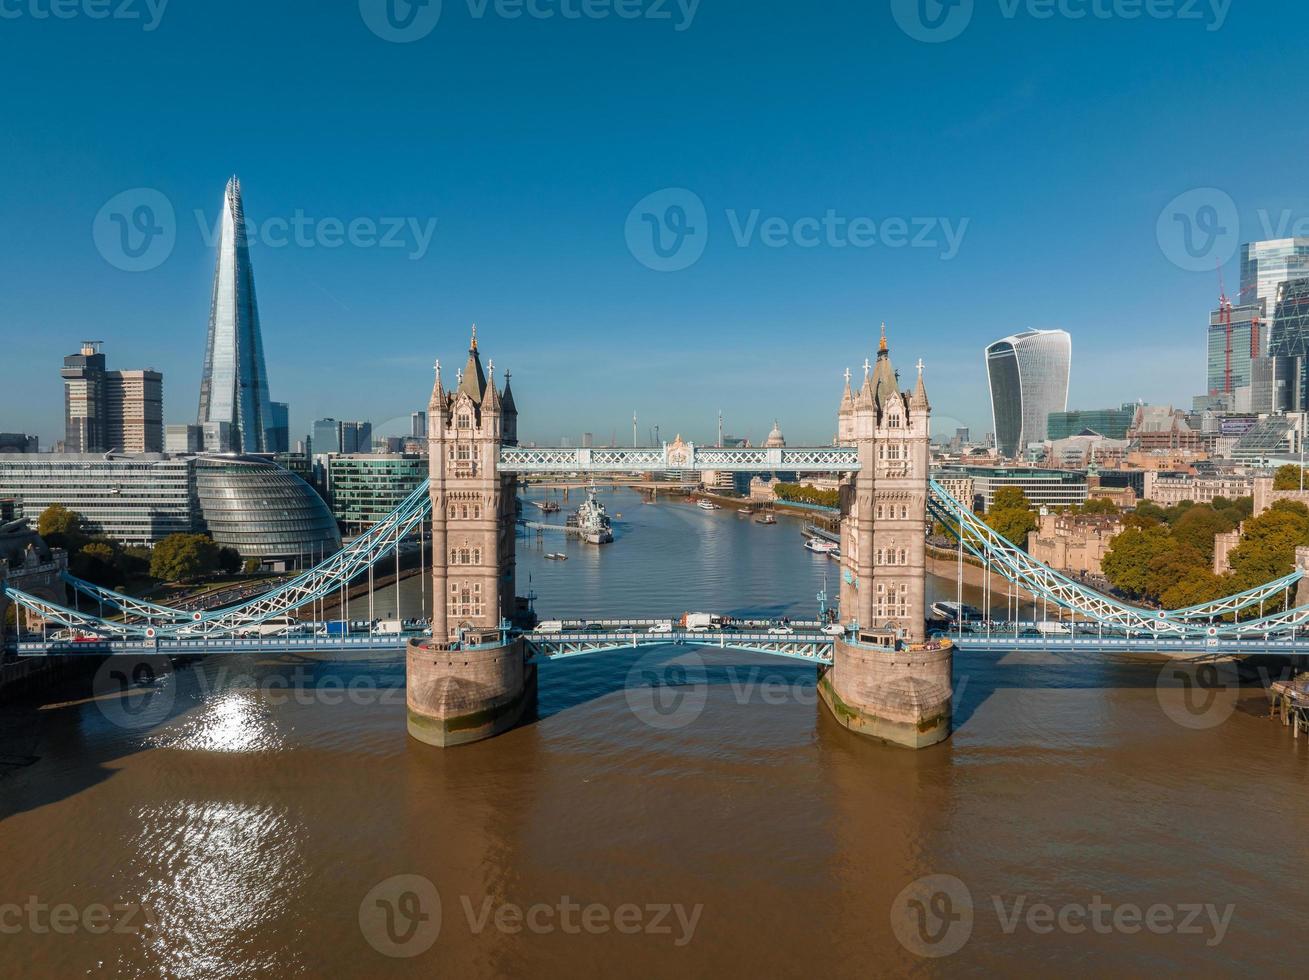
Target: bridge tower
{"type": "Point", "coordinates": [469, 681]}
{"type": "Point", "coordinates": [884, 680]}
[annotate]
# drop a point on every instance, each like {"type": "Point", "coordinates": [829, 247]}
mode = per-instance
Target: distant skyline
{"type": "Point", "coordinates": [797, 179]}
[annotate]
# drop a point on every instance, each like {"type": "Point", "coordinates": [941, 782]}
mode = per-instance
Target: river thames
{"type": "Point", "coordinates": [268, 815]}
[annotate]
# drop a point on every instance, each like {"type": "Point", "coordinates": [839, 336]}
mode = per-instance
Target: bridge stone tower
{"type": "Point", "coordinates": [469, 682]}
{"type": "Point", "coordinates": [884, 680]}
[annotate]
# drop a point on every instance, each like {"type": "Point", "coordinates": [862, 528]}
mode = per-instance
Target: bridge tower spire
{"type": "Point", "coordinates": [885, 681]}
{"type": "Point", "coordinates": [470, 681]}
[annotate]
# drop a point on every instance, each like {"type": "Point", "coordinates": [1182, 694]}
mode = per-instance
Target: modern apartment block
{"type": "Point", "coordinates": [104, 411]}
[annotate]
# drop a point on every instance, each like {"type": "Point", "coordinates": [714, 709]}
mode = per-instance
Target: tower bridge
{"type": "Point", "coordinates": [476, 675]}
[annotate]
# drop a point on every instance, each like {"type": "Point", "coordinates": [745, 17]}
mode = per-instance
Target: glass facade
{"type": "Point", "coordinates": [263, 511]}
{"type": "Point", "coordinates": [279, 432]}
{"type": "Point", "coordinates": [1112, 423]}
{"type": "Point", "coordinates": [1028, 376]}
{"type": "Point", "coordinates": [234, 384]}
{"type": "Point", "coordinates": [1266, 265]}
{"type": "Point", "coordinates": [326, 437]}
{"type": "Point", "coordinates": [1290, 341]}
{"type": "Point", "coordinates": [364, 489]}
{"type": "Point", "coordinates": [1247, 341]}
{"type": "Point", "coordinates": [1043, 488]}
{"type": "Point", "coordinates": [136, 501]}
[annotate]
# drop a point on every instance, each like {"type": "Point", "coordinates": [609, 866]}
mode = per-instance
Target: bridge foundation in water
{"type": "Point", "coordinates": [904, 697]}
{"type": "Point", "coordinates": [456, 695]}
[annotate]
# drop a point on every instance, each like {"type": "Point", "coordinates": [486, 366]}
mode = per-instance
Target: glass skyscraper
{"type": "Point", "coordinates": [1288, 348]}
{"type": "Point", "coordinates": [234, 386]}
{"type": "Point", "coordinates": [1249, 339]}
{"type": "Point", "coordinates": [1028, 376]}
{"type": "Point", "coordinates": [1266, 265]}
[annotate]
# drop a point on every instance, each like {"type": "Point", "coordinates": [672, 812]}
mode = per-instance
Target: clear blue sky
{"type": "Point", "coordinates": [1060, 141]}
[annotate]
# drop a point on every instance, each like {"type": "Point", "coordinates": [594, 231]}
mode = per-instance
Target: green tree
{"type": "Point", "coordinates": [1268, 543]}
{"type": "Point", "coordinates": [1289, 477]}
{"type": "Point", "coordinates": [62, 528]}
{"type": "Point", "coordinates": [1197, 586]}
{"type": "Point", "coordinates": [97, 562]}
{"type": "Point", "coordinates": [1173, 562]}
{"type": "Point", "coordinates": [1198, 526]}
{"type": "Point", "coordinates": [1011, 515]}
{"type": "Point", "coordinates": [182, 557]}
{"type": "Point", "coordinates": [1127, 562]}
{"type": "Point", "coordinates": [229, 561]}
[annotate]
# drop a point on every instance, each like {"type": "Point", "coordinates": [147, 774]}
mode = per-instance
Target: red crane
{"type": "Point", "coordinates": [1225, 318]}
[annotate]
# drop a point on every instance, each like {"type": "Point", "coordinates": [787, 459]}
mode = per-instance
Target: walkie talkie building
{"type": "Point", "coordinates": [234, 385]}
{"type": "Point", "coordinates": [1028, 375]}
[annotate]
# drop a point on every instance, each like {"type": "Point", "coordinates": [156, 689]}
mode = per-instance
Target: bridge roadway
{"type": "Point", "coordinates": [805, 643]}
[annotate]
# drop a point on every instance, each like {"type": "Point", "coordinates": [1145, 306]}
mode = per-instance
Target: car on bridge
{"type": "Point", "coordinates": [661, 628]}
{"type": "Point", "coordinates": [781, 630]}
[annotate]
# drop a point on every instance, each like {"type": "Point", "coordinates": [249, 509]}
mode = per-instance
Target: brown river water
{"type": "Point", "coordinates": [268, 816]}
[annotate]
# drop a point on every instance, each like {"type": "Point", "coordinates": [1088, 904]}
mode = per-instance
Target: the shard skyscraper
{"type": "Point", "coordinates": [234, 386]}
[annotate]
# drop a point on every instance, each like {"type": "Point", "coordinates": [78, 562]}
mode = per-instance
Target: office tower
{"type": "Point", "coordinates": [183, 440]}
{"type": "Point", "coordinates": [234, 385]}
{"type": "Point", "coordinates": [1265, 266]}
{"type": "Point", "coordinates": [119, 411]}
{"type": "Point", "coordinates": [326, 437]}
{"type": "Point", "coordinates": [418, 425]}
{"type": "Point", "coordinates": [1233, 344]}
{"type": "Point", "coordinates": [356, 437]}
{"type": "Point", "coordinates": [84, 399]}
{"type": "Point", "coordinates": [1112, 423]}
{"type": "Point", "coordinates": [1288, 346]}
{"type": "Point", "coordinates": [588, 440]}
{"type": "Point", "coordinates": [279, 429]}
{"type": "Point", "coordinates": [1028, 377]}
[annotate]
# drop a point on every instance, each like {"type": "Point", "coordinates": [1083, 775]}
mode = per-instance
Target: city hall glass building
{"type": "Point", "coordinates": [234, 384]}
{"type": "Point", "coordinates": [1028, 377]}
{"type": "Point", "coordinates": [250, 504]}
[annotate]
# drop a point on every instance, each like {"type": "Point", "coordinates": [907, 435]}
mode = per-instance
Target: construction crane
{"type": "Point", "coordinates": [1225, 318]}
